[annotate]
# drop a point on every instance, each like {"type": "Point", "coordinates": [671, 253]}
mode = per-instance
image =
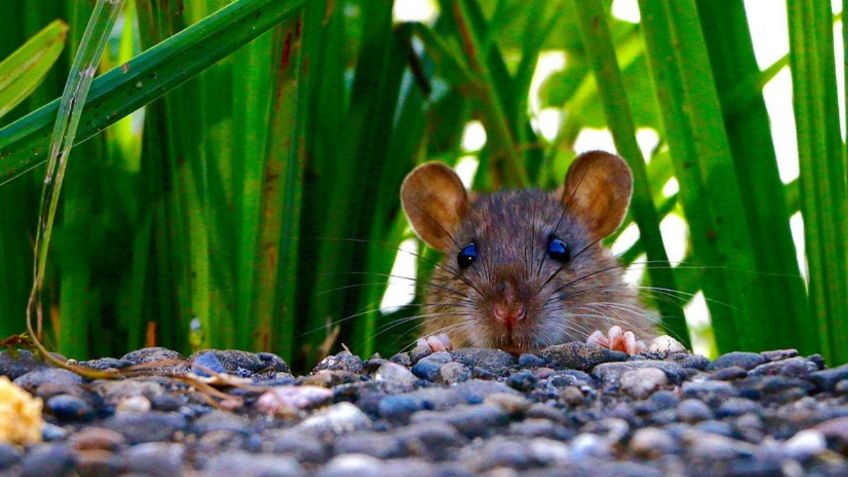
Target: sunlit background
{"type": "Point", "coordinates": [768, 24]}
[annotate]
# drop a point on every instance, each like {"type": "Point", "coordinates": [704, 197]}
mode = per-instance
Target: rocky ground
{"type": "Point", "coordinates": [574, 409]}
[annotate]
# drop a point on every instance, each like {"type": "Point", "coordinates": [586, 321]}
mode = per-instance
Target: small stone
{"type": "Point", "coordinates": [665, 345]}
{"type": "Point", "coordinates": [715, 427]}
{"type": "Point", "coordinates": [652, 443]}
{"type": "Point", "coordinates": [153, 354]}
{"type": "Point", "coordinates": [689, 361]}
{"type": "Point", "coordinates": [797, 367]}
{"type": "Point", "coordinates": [133, 404]}
{"type": "Point", "coordinates": [343, 361]}
{"type": "Point", "coordinates": [527, 360]}
{"type": "Point", "coordinates": [398, 408]}
{"type": "Point", "coordinates": [206, 364]}
{"type": "Point", "coordinates": [729, 373]}
{"type": "Point", "coordinates": [835, 430]}
{"type": "Point", "coordinates": [522, 381]}
{"type": "Point", "coordinates": [149, 426]}
{"type": "Point", "coordinates": [512, 404]}
{"type": "Point", "coordinates": [51, 432]}
{"type": "Point", "coordinates": [402, 359]}
{"type": "Point", "coordinates": [48, 460]}
{"type": "Point", "coordinates": [427, 369]}
{"type": "Point", "coordinates": [711, 392]}
{"type": "Point", "coordinates": [610, 373]}
{"type": "Point", "coordinates": [571, 395]}
{"type": "Point", "coordinates": [499, 453]}
{"type": "Point", "coordinates": [544, 411]}
{"type": "Point", "coordinates": [490, 359]}
{"type": "Point", "coordinates": [665, 399]}
{"type": "Point", "coordinates": [303, 447]}
{"type": "Point", "coordinates": [69, 408]}
{"type": "Point", "coordinates": [737, 406]}
{"type": "Point", "coordinates": [742, 359]}
{"type": "Point", "coordinates": [290, 399]}
{"type": "Point", "coordinates": [779, 354]}
{"type": "Point", "coordinates": [805, 444]}
{"type": "Point", "coordinates": [434, 441]}
{"type": "Point", "coordinates": [420, 351]}
{"type": "Point", "coordinates": [454, 372]}
{"type": "Point", "coordinates": [395, 373]}
{"type": "Point", "coordinates": [579, 355]}
{"type": "Point", "coordinates": [56, 377]}
{"type": "Point", "coordinates": [16, 364]}
{"type": "Point", "coordinates": [827, 379]}
{"type": "Point", "coordinates": [841, 387]}
{"type": "Point", "coordinates": [97, 462]}
{"type": "Point", "coordinates": [470, 420]}
{"type": "Point", "coordinates": [693, 410]}
{"type": "Point", "coordinates": [155, 459]}
{"type": "Point", "coordinates": [114, 392]}
{"type": "Point", "coordinates": [220, 421]}
{"type": "Point", "coordinates": [168, 402]}
{"type": "Point", "coordinates": [641, 383]}
{"type": "Point", "coordinates": [336, 419]}
{"type": "Point", "coordinates": [475, 391]}
{"type": "Point", "coordinates": [375, 444]}
{"type": "Point", "coordinates": [9, 456]}
{"type": "Point", "coordinates": [352, 465]}
{"type": "Point", "coordinates": [97, 438]}
{"type": "Point", "coordinates": [590, 445]}
{"type": "Point", "coordinates": [714, 447]}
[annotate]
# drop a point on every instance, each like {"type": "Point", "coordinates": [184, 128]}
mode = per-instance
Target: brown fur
{"type": "Point", "coordinates": [564, 302]}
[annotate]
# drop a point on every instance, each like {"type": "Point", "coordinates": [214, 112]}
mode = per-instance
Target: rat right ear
{"type": "Point", "coordinates": [435, 203]}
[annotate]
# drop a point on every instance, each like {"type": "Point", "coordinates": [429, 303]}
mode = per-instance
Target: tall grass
{"type": "Point", "coordinates": [235, 175]}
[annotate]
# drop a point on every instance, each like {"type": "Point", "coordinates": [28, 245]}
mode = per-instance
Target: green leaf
{"type": "Point", "coordinates": [22, 71]}
{"type": "Point", "coordinates": [23, 144]}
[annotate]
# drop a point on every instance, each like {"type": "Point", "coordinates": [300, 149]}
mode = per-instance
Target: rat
{"type": "Point", "coordinates": [525, 269]}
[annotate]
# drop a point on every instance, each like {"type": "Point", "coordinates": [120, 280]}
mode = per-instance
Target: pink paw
{"type": "Point", "coordinates": [618, 340]}
{"type": "Point", "coordinates": [436, 342]}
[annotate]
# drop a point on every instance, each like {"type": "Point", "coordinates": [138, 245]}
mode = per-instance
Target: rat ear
{"type": "Point", "coordinates": [435, 202]}
{"type": "Point", "coordinates": [597, 191]}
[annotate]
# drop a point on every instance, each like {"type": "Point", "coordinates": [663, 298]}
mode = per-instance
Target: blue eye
{"type": "Point", "coordinates": [467, 255]}
{"type": "Point", "coordinates": [558, 250]}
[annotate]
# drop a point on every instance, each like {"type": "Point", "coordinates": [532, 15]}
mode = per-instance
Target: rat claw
{"type": "Point", "coordinates": [598, 338]}
{"type": "Point", "coordinates": [438, 342]}
{"type": "Point", "coordinates": [618, 340]}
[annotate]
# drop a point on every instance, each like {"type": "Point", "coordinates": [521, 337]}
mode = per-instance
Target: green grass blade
{"type": "Point", "coordinates": [709, 194]}
{"type": "Point", "coordinates": [599, 48]}
{"type": "Point", "coordinates": [732, 57]}
{"type": "Point", "coordinates": [22, 71]}
{"type": "Point", "coordinates": [158, 70]}
{"type": "Point", "coordinates": [822, 174]}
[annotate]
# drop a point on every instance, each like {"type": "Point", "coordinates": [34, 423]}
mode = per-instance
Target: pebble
{"type": "Point", "coordinates": [641, 383]}
{"type": "Point", "coordinates": [742, 359]}
{"type": "Point", "coordinates": [290, 399]}
{"type": "Point", "coordinates": [69, 408]}
{"type": "Point", "coordinates": [152, 426]}
{"type": "Point", "coordinates": [527, 360]}
{"type": "Point", "coordinates": [343, 361]}
{"type": "Point", "coordinates": [48, 460]}
{"type": "Point", "coordinates": [455, 372]}
{"type": "Point", "coordinates": [652, 443]}
{"type": "Point", "coordinates": [457, 413]}
{"type": "Point", "coordinates": [693, 410]}
{"type": "Point", "coordinates": [206, 364]}
{"type": "Point", "coordinates": [827, 379]}
{"type": "Point", "coordinates": [155, 459]}
{"type": "Point", "coordinates": [493, 360]}
{"type": "Point", "coordinates": [15, 365]}
{"type": "Point", "coordinates": [336, 419]}
{"type": "Point", "coordinates": [580, 356]}
{"type": "Point", "coordinates": [395, 373]}
{"type": "Point", "coordinates": [797, 367]}
{"type": "Point", "coordinates": [470, 420]}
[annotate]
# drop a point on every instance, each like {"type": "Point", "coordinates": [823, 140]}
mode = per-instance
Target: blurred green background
{"type": "Point", "coordinates": [235, 182]}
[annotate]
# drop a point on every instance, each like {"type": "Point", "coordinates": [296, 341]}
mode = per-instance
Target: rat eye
{"type": "Point", "coordinates": [558, 250]}
{"type": "Point", "coordinates": [467, 255]}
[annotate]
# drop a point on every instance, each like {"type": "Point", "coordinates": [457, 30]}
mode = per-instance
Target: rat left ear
{"type": "Point", "coordinates": [597, 191]}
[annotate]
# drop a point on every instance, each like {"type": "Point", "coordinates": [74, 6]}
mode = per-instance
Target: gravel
{"type": "Point", "coordinates": [572, 409]}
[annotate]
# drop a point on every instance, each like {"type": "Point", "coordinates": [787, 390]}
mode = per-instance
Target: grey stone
{"type": "Point", "coordinates": [827, 379]}
{"type": "Point", "coordinates": [343, 361]}
{"type": "Point", "coordinates": [797, 367]}
{"type": "Point", "coordinates": [641, 383]}
{"type": "Point", "coordinates": [693, 410]}
{"type": "Point", "coordinates": [452, 373]}
{"type": "Point", "coordinates": [48, 460]}
{"type": "Point", "coordinates": [16, 364]}
{"type": "Point", "coordinates": [336, 419]}
{"type": "Point", "coordinates": [742, 359]}
{"type": "Point", "coordinates": [244, 464]}
{"type": "Point", "coordinates": [579, 355]}
{"type": "Point", "coordinates": [157, 459]}
{"type": "Point", "coordinates": [375, 444]}
{"type": "Point", "coordinates": [396, 374]}
{"type": "Point", "coordinates": [493, 360]}
{"type": "Point", "coordinates": [69, 408]}
{"type": "Point", "coordinates": [469, 420]}
{"type": "Point", "coordinates": [56, 377]}
{"type": "Point", "coordinates": [152, 426]}
{"type": "Point", "coordinates": [610, 373]}
{"type": "Point", "coordinates": [434, 441]}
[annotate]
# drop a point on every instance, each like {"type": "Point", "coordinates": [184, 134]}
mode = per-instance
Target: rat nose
{"type": "Point", "coordinates": [509, 314]}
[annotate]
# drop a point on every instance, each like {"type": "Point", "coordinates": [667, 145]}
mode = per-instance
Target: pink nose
{"type": "Point", "coordinates": [509, 314]}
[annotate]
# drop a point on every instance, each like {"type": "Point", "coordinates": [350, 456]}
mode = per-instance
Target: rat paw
{"type": "Point", "coordinates": [436, 342]}
{"type": "Point", "coordinates": [618, 340]}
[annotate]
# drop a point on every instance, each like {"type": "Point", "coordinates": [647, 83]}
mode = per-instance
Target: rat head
{"type": "Point", "coordinates": [521, 269]}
